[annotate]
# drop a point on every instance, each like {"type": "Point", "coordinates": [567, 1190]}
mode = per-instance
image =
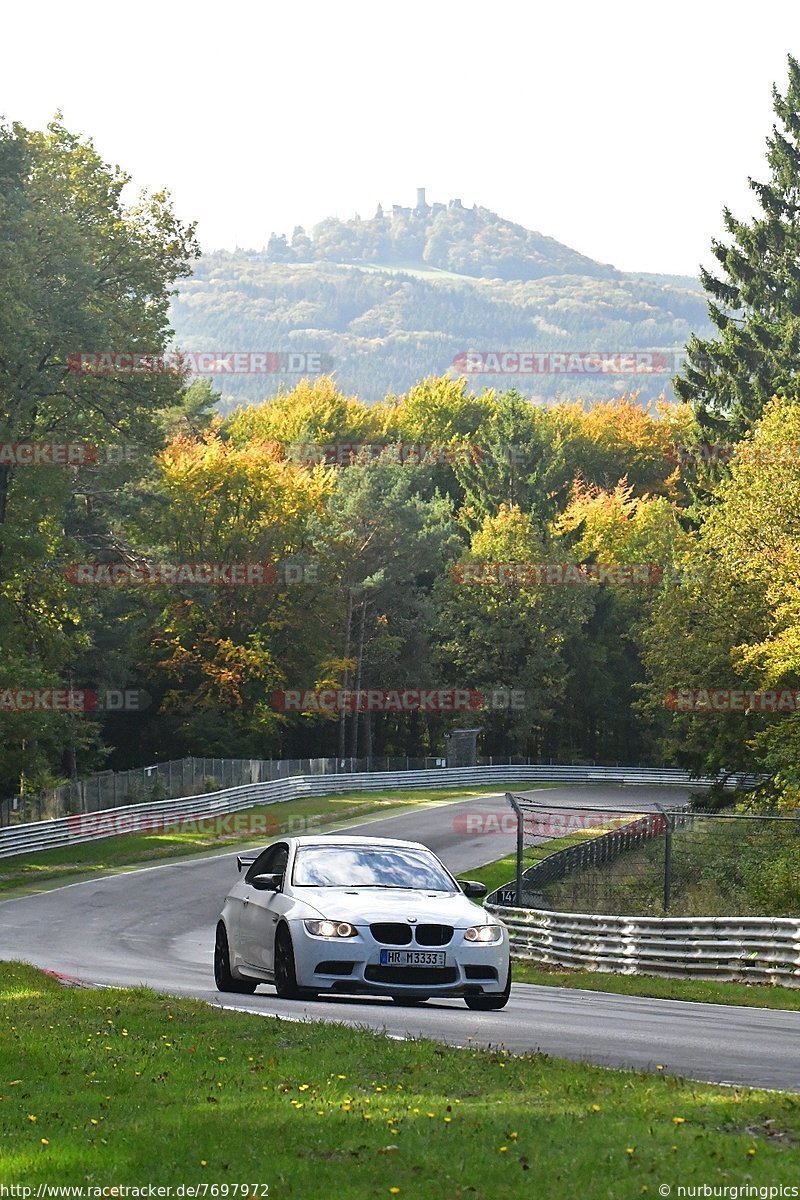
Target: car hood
{"type": "Point", "coordinates": [364, 906]}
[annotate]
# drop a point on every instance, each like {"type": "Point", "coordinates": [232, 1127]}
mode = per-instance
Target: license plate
{"type": "Point", "coordinates": [412, 958]}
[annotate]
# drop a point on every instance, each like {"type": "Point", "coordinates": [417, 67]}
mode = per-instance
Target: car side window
{"type": "Point", "coordinates": [271, 861]}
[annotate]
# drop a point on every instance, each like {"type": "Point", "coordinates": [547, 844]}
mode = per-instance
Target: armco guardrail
{"type": "Point", "coordinates": [757, 949]}
{"type": "Point", "coordinates": [65, 831]}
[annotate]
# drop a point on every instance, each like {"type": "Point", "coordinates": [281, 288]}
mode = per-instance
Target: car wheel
{"type": "Point", "coordinates": [488, 1003]}
{"type": "Point", "coordinates": [410, 999]}
{"type": "Point", "coordinates": [222, 967]}
{"type": "Point", "coordinates": [285, 972]}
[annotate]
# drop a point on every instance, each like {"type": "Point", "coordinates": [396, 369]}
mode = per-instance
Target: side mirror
{"type": "Point", "coordinates": [266, 883]}
{"type": "Point", "coordinates": [471, 887]}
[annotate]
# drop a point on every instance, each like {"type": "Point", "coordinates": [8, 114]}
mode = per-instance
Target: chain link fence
{"type": "Point", "coordinates": [183, 777]}
{"type": "Point", "coordinates": [668, 862]}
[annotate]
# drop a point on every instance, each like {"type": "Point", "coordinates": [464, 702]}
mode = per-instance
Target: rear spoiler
{"type": "Point", "coordinates": [246, 860]}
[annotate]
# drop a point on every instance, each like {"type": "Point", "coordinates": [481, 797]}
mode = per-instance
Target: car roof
{"type": "Point", "coordinates": [342, 839]}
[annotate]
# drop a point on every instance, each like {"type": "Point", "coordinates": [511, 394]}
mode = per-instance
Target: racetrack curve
{"type": "Point", "coordinates": [155, 926]}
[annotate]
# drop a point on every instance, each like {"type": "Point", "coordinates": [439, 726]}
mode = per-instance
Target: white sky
{"type": "Point", "coordinates": [620, 128]}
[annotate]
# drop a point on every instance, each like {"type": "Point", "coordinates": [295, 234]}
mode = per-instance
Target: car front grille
{"type": "Point", "coordinates": [393, 933]}
{"type": "Point", "coordinates": [410, 975]}
{"type": "Point", "coordinates": [433, 935]}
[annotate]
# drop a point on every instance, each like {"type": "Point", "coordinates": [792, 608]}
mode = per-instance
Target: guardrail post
{"type": "Point", "coordinates": [520, 845]}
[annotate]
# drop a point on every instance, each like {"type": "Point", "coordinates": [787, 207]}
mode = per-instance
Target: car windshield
{"type": "Point", "coordinates": [369, 866]}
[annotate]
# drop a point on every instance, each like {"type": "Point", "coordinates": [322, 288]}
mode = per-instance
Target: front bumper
{"type": "Point", "coordinates": [353, 965]}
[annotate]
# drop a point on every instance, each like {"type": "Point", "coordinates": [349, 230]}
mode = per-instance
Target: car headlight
{"type": "Point", "coordinates": [484, 933]}
{"type": "Point", "coordinates": [331, 929]}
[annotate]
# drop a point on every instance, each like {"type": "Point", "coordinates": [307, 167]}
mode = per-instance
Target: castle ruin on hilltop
{"type": "Point", "coordinates": [420, 209]}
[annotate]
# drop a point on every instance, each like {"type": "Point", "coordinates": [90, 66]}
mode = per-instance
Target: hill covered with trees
{"type": "Point", "coordinates": [390, 300]}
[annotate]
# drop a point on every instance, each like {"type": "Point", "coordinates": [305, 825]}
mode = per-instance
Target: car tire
{"type": "Point", "coordinates": [487, 1003]}
{"type": "Point", "coordinates": [285, 971]}
{"type": "Point", "coordinates": [223, 977]}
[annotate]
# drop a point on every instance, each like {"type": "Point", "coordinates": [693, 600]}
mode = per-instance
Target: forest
{"type": "Point", "coordinates": [622, 576]}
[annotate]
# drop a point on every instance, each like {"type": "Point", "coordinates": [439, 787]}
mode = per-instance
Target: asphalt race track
{"type": "Point", "coordinates": [155, 926]}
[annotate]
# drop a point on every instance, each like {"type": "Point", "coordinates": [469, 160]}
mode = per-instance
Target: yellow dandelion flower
{"type": "Point", "coordinates": [93, 1121]}
{"type": "Point", "coordinates": [629, 1150]}
{"type": "Point", "coordinates": [45, 1142]}
{"type": "Point", "coordinates": [394, 1191]}
{"type": "Point", "coordinates": [31, 1117]}
{"type": "Point", "coordinates": [503, 1149]}
{"type": "Point", "coordinates": [222, 1058]}
{"type": "Point", "coordinates": [679, 1120]}
{"type": "Point", "coordinates": [751, 1151]}
{"type": "Point", "coordinates": [595, 1108]}
{"type": "Point", "coordinates": [447, 1120]}
{"type": "Point", "coordinates": [203, 1162]}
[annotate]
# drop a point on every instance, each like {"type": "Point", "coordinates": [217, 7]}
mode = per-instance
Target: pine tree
{"type": "Point", "coordinates": [755, 302]}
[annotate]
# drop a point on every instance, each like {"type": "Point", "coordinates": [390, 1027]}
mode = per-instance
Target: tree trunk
{"type": "Point", "coordinates": [342, 714]}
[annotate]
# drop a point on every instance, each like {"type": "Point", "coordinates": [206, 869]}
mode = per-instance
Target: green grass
{"type": "Point", "coordinates": [103, 1088]}
{"type": "Point", "coordinates": [35, 871]}
{"type": "Point", "coordinates": [750, 995]}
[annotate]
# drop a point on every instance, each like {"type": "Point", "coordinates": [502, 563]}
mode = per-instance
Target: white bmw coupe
{"type": "Point", "coordinates": [360, 915]}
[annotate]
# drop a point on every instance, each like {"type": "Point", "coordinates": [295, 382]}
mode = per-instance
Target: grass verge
{"type": "Point", "coordinates": [247, 828]}
{"type": "Point", "coordinates": [104, 1088]}
{"type": "Point", "coordinates": [749, 995]}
